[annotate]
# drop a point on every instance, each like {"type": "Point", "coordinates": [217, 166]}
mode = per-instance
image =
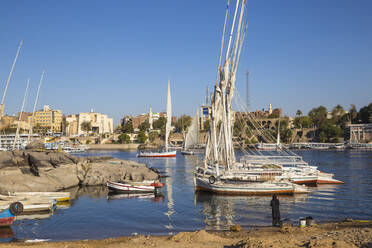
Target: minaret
{"type": "Point", "coordinates": [270, 109]}
{"type": "Point", "coordinates": [150, 118]}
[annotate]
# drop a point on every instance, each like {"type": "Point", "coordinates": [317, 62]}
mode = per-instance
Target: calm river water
{"type": "Point", "coordinates": [95, 215]}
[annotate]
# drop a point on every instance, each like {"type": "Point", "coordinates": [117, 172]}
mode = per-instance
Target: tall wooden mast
{"type": "Point", "coordinates": [33, 111]}
{"type": "Point", "coordinates": [20, 115]}
{"type": "Point", "coordinates": [2, 106]}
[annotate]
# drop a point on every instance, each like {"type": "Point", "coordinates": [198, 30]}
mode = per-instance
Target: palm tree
{"type": "Point", "coordinates": [299, 113]}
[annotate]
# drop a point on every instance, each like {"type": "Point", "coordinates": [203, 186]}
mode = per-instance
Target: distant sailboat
{"type": "Point", "coordinates": [192, 136]}
{"type": "Point", "coordinates": [165, 152]}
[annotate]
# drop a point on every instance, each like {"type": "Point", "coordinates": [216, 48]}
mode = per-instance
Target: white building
{"type": "Point", "coordinates": [100, 123]}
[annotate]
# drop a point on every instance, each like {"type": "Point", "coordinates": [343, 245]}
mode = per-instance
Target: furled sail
{"type": "Point", "coordinates": [169, 117]}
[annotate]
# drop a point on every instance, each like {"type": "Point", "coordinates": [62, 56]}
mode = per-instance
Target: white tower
{"type": "Point", "coordinates": [150, 118]}
{"type": "Point", "coordinates": [270, 109]}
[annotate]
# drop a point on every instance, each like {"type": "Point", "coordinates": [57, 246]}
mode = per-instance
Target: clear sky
{"type": "Point", "coordinates": [116, 56]}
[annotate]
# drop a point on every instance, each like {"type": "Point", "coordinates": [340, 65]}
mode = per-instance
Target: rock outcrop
{"type": "Point", "coordinates": [53, 171]}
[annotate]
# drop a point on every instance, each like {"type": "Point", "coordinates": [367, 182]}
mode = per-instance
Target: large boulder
{"type": "Point", "coordinates": [6, 159]}
{"type": "Point", "coordinates": [35, 145]}
{"type": "Point", "coordinates": [52, 171]}
{"type": "Point", "coordinates": [113, 170]}
{"type": "Point", "coordinates": [38, 160]}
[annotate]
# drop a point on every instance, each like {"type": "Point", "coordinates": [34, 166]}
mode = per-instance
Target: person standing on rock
{"type": "Point", "coordinates": [275, 210]}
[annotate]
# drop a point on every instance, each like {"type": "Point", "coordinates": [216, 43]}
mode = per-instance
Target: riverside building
{"type": "Point", "coordinates": [48, 119]}
{"type": "Point", "coordinates": [100, 123]}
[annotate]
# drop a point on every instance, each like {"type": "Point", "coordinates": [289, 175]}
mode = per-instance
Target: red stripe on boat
{"type": "Point", "coordinates": [7, 221]}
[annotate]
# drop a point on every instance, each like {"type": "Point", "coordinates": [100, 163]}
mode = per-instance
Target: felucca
{"type": "Point", "coordinates": [219, 153]}
{"type": "Point", "coordinates": [166, 152]}
{"type": "Point", "coordinates": [192, 136]}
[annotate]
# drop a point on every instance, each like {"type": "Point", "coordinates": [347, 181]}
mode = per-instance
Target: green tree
{"type": "Point", "coordinates": [86, 126]}
{"type": "Point", "coordinates": [303, 122]}
{"type": "Point", "coordinates": [183, 123]}
{"type": "Point", "coordinates": [318, 115]}
{"type": "Point", "coordinates": [128, 127]}
{"type": "Point", "coordinates": [329, 132]}
{"type": "Point", "coordinates": [144, 126]}
{"type": "Point", "coordinates": [337, 113]}
{"type": "Point", "coordinates": [207, 125]}
{"type": "Point", "coordinates": [285, 132]}
{"type": "Point", "coordinates": [273, 115]}
{"type": "Point", "coordinates": [365, 114]}
{"type": "Point", "coordinates": [353, 113]}
{"type": "Point", "coordinates": [299, 113]}
{"type": "Point", "coordinates": [118, 129]}
{"type": "Point", "coordinates": [124, 138]}
{"type": "Point", "coordinates": [153, 135]}
{"type": "Point", "coordinates": [159, 123]}
{"type": "Point", "coordinates": [142, 137]}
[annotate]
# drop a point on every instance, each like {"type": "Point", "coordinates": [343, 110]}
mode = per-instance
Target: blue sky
{"type": "Point", "coordinates": [116, 56]}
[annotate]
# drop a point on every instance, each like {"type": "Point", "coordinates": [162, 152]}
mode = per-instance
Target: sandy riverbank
{"type": "Point", "coordinates": [342, 235]}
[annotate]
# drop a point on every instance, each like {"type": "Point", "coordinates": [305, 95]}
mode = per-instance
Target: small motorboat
{"type": "Point", "coordinates": [135, 187]}
{"type": "Point", "coordinates": [7, 216]}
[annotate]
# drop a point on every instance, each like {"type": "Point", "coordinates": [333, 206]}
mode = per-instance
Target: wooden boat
{"type": "Point", "coordinates": [6, 218]}
{"type": "Point", "coordinates": [135, 187]}
{"type": "Point", "coordinates": [327, 178]}
{"type": "Point", "coordinates": [239, 187]}
{"type": "Point", "coordinates": [31, 205]}
{"type": "Point", "coordinates": [58, 196]}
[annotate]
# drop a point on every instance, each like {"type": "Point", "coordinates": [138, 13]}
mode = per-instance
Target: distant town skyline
{"type": "Point", "coordinates": [116, 57]}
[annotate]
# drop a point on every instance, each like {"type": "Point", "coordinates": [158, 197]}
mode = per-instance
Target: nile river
{"type": "Point", "coordinates": [95, 215]}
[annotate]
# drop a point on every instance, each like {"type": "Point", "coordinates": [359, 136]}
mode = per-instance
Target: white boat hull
{"type": "Point", "coordinates": [157, 154]}
{"type": "Point", "coordinates": [134, 188]}
{"type": "Point", "coordinates": [247, 188]}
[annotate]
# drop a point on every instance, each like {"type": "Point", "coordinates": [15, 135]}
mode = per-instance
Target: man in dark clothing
{"type": "Point", "coordinates": [275, 211]}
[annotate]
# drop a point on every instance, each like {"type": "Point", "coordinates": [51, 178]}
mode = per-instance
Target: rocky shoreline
{"type": "Point", "coordinates": [37, 170]}
{"type": "Point", "coordinates": [348, 234]}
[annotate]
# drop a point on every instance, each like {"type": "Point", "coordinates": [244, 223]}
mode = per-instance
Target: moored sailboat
{"type": "Point", "coordinates": [166, 152]}
{"type": "Point", "coordinates": [220, 159]}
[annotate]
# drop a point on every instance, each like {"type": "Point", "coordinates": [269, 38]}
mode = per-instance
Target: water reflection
{"type": "Point", "coordinates": [117, 196]}
{"type": "Point", "coordinates": [180, 209]}
{"type": "Point", "coordinates": [221, 211]}
{"type": "Point", "coordinates": [170, 203]}
{"type": "Point", "coordinates": [6, 234]}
